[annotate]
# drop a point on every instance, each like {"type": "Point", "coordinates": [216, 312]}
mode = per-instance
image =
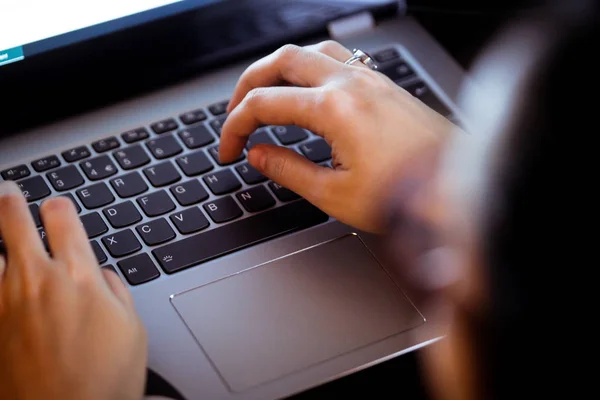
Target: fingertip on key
{"type": "Point", "coordinates": [8, 188]}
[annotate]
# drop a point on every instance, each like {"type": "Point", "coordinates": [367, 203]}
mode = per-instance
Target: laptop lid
{"type": "Point", "coordinates": [62, 57]}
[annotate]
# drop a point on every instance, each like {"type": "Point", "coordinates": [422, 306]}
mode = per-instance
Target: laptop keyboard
{"type": "Point", "coordinates": [158, 198]}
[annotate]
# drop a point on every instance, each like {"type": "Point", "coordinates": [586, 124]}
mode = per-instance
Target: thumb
{"type": "Point", "coordinates": [293, 171]}
{"type": "Point", "coordinates": [117, 287]}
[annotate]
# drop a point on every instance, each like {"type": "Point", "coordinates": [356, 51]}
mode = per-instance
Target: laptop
{"type": "Point", "coordinates": [247, 290]}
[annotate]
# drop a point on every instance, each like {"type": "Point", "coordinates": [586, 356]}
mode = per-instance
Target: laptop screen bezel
{"type": "Point", "coordinates": [112, 67]}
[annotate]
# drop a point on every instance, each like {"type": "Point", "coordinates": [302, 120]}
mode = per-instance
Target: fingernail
{"type": "Point", "coordinates": [9, 187]}
{"type": "Point", "coordinates": [258, 158]}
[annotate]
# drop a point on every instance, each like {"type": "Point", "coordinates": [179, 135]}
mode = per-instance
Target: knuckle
{"type": "Point", "coordinates": [278, 167]}
{"type": "Point", "coordinates": [365, 77]}
{"type": "Point", "coordinates": [287, 54]}
{"type": "Point", "coordinates": [329, 46]}
{"type": "Point", "coordinates": [334, 102]}
{"type": "Point", "coordinates": [255, 97]}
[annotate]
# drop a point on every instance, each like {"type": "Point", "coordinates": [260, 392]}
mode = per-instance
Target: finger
{"type": "Point", "coordinates": [294, 172]}
{"type": "Point", "coordinates": [67, 238]}
{"type": "Point", "coordinates": [2, 270]}
{"type": "Point", "coordinates": [19, 233]}
{"type": "Point", "coordinates": [118, 288]}
{"type": "Point", "coordinates": [273, 106]}
{"type": "Point", "coordinates": [336, 51]}
{"type": "Point", "coordinates": [2, 267]}
{"type": "Point", "coordinates": [332, 49]}
{"type": "Point", "coordinates": [290, 64]}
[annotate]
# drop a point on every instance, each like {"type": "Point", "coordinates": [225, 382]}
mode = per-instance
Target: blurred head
{"type": "Point", "coordinates": [484, 233]}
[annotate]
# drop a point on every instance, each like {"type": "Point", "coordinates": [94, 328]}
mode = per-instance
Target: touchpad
{"type": "Point", "coordinates": [295, 312]}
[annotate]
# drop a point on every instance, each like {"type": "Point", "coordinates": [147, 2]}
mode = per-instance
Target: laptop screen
{"type": "Point", "coordinates": [29, 27]}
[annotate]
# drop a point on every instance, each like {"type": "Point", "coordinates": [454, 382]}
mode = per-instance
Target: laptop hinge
{"type": "Point", "coordinates": [351, 26]}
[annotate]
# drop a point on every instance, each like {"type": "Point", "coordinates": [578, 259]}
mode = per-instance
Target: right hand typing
{"type": "Point", "coordinates": [375, 128]}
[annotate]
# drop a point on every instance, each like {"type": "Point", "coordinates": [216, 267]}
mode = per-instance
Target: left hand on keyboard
{"type": "Point", "coordinates": [67, 329]}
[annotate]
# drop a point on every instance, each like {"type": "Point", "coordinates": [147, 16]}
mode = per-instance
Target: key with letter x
{"type": "Point", "coordinates": [122, 243]}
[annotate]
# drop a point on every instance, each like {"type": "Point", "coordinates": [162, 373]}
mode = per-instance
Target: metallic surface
{"type": "Point", "coordinates": [335, 291]}
{"type": "Point", "coordinates": [361, 56]}
{"type": "Point", "coordinates": [173, 352]}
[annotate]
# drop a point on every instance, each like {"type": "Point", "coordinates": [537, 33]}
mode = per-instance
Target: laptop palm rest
{"type": "Point", "coordinates": [294, 312]}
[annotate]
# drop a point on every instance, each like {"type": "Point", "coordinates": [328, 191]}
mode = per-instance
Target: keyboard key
{"type": "Point", "coordinates": [256, 199]}
{"type": "Point", "coordinates": [259, 137]}
{"type": "Point", "coordinates": [214, 152]}
{"type": "Point", "coordinates": [34, 188]}
{"type": "Point", "coordinates": [223, 210]}
{"type": "Point", "coordinates": [35, 213]}
{"type": "Point", "coordinates": [100, 254]}
{"type": "Point", "coordinates": [95, 196]}
{"type": "Point", "coordinates": [72, 198]}
{"type": "Point", "coordinates": [233, 237]}
{"type": "Point", "coordinates": [249, 174]}
{"type": "Point", "coordinates": [105, 145]}
{"type": "Point", "coordinates": [76, 154]}
{"type": "Point", "coordinates": [156, 232]}
{"type": "Point", "coordinates": [131, 157]}
{"type": "Point", "coordinates": [129, 185]}
{"type": "Point", "coordinates": [316, 150]}
{"type": "Point", "coordinates": [190, 221]}
{"type": "Point", "coordinates": [219, 108]}
{"type": "Point", "coordinates": [217, 124]}
{"type": "Point", "coordinates": [98, 168]}
{"type": "Point", "coordinates": [195, 163]}
{"type": "Point", "coordinates": [424, 93]}
{"type": "Point", "coordinates": [139, 269]}
{"type": "Point", "coordinates": [188, 193]}
{"type": "Point", "coordinates": [164, 147]}
{"type": "Point", "coordinates": [157, 203]}
{"type": "Point", "coordinates": [386, 55]}
{"type": "Point", "coordinates": [283, 194]}
{"type": "Point", "coordinates": [164, 126]}
{"type": "Point", "coordinates": [122, 215]}
{"type": "Point", "coordinates": [191, 117]}
{"type": "Point", "coordinates": [398, 71]}
{"type": "Point", "coordinates": [66, 178]}
{"type": "Point", "coordinates": [121, 244]}
{"type": "Point", "coordinates": [289, 134]}
{"type": "Point", "coordinates": [162, 174]}
{"type": "Point", "coordinates": [44, 237]}
{"type": "Point", "coordinates": [18, 172]}
{"type": "Point", "coordinates": [222, 182]}
{"type": "Point", "coordinates": [46, 163]}
{"type": "Point", "coordinates": [94, 225]}
{"type": "Point", "coordinates": [196, 137]}
{"type": "Point", "coordinates": [135, 135]}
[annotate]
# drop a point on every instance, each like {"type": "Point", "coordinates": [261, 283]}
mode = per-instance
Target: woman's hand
{"type": "Point", "coordinates": [67, 329]}
{"type": "Point", "coordinates": [375, 128]}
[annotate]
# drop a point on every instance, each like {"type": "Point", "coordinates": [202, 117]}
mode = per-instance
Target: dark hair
{"type": "Point", "coordinates": [533, 236]}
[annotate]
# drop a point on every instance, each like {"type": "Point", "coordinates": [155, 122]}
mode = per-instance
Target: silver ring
{"type": "Point", "coordinates": [361, 56]}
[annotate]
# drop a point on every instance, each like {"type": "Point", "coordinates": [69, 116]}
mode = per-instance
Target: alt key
{"type": "Point", "coordinates": [139, 269]}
